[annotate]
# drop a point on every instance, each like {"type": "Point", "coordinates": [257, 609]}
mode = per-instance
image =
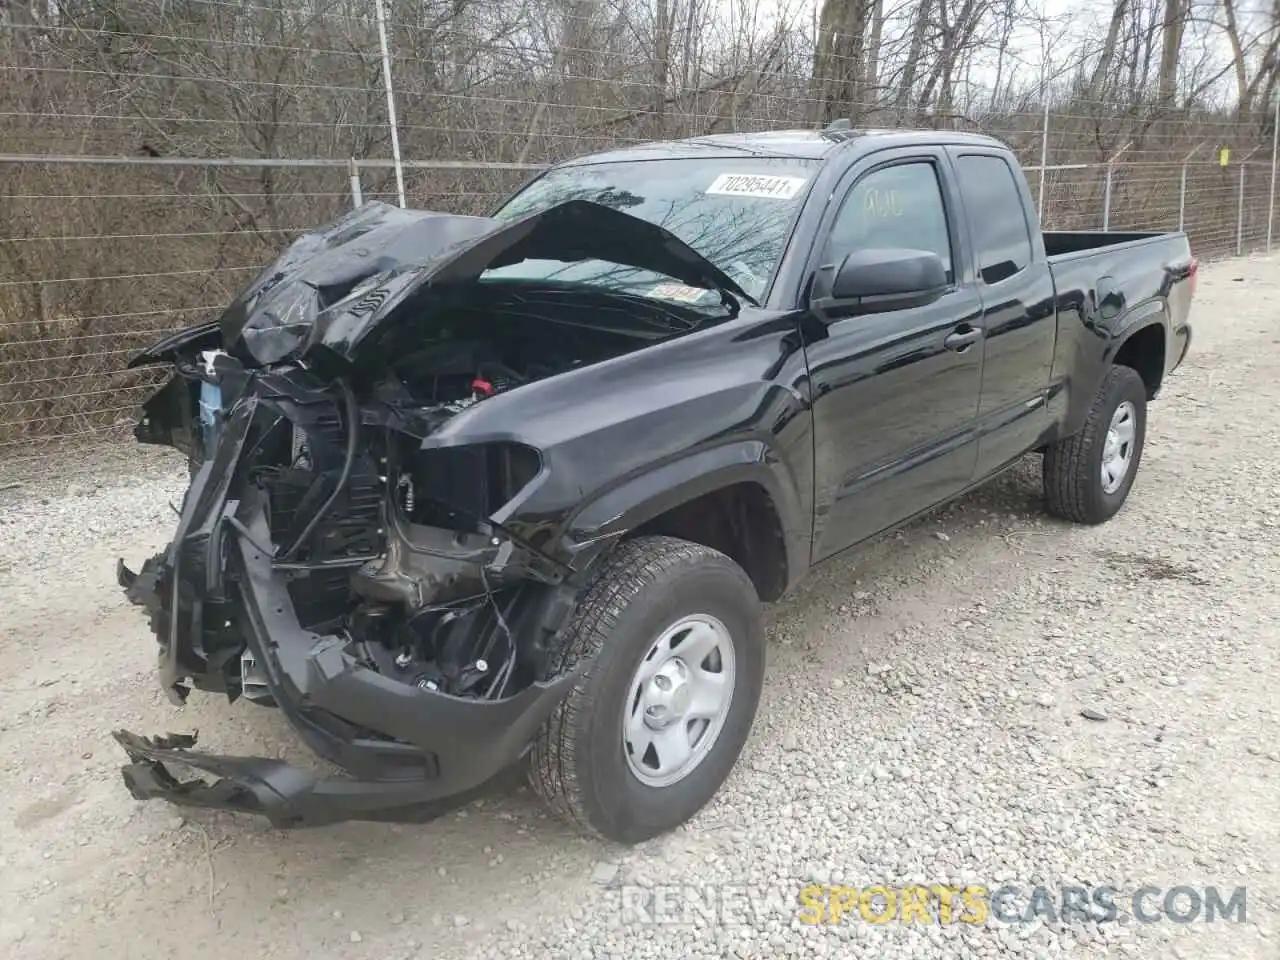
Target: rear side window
{"type": "Point", "coordinates": [999, 223]}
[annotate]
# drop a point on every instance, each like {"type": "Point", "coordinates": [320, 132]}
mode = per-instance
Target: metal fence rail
{"type": "Point", "coordinates": [158, 156]}
{"type": "Point", "coordinates": [100, 296]}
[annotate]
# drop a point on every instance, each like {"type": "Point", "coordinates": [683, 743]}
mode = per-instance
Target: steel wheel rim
{"type": "Point", "coordinates": [677, 700]}
{"type": "Point", "coordinates": [1117, 448]}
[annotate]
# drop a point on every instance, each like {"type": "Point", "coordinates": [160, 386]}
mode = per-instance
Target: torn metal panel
{"type": "Point", "coordinates": [288, 796]}
{"type": "Point", "coordinates": [332, 287]}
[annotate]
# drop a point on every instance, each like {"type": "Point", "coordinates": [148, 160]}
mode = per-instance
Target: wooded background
{"type": "Point", "coordinates": [215, 104]}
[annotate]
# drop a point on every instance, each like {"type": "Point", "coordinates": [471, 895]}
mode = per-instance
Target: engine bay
{"type": "Point", "coordinates": [388, 543]}
{"type": "Point", "coordinates": [492, 339]}
{"type": "Point", "coordinates": [457, 373]}
{"type": "Point", "coordinates": [383, 538]}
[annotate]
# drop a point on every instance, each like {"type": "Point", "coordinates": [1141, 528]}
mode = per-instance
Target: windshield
{"type": "Point", "coordinates": [734, 211]}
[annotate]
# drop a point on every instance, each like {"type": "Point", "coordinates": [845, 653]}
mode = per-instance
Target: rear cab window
{"type": "Point", "coordinates": [736, 211]}
{"type": "Point", "coordinates": [997, 216]}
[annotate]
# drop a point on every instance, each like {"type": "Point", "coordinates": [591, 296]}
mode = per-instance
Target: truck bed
{"type": "Point", "coordinates": [1061, 243]}
{"type": "Point", "coordinates": [1126, 278]}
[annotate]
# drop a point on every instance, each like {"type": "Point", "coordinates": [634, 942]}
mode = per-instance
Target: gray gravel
{"type": "Point", "coordinates": [986, 697]}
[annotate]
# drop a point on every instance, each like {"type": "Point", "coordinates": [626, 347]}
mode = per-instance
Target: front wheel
{"type": "Point", "coordinates": [1087, 476]}
{"type": "Point", "coordinates": [652, 730]}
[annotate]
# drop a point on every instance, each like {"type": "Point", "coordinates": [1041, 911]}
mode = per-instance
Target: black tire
{"type": "Point", "coordinates": [578, 764]}
{"type": "Point", "coordinates": [1073, 485]}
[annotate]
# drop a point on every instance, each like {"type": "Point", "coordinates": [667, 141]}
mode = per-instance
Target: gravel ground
{"type": "Point", "coordinates": [921, 722]}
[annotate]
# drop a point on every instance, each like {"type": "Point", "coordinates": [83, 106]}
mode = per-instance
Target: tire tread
{"type": "Point", "coordinates": [634, 564]}
{"type": "Point", "coordinates": [1068, 475]}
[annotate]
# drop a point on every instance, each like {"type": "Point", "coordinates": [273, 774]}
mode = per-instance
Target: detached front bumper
{"type": "Point", "coordinates": [288, 796]}
{"type": "Point", "coordinates": [405, 747]}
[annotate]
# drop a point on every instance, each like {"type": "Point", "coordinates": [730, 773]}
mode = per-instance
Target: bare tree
{"type": "Point", "coordinates": [915, 53]}
{"type": "Point", "coordinates": [1175, 22]}
{"type": "Point", "coordinates": [1256, 81]}
{"type": "Point", "coordinates": [839, 63]}
{"type": "Point", "coordinates": [1098, 83]}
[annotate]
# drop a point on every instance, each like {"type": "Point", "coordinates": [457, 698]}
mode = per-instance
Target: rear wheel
{"type": "Point", "coordinates": [654, 727]}
{"type": "Point", "coordinates": [1087, 476]}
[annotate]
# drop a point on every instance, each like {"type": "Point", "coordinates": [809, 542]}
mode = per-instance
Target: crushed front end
{"type": "Point", "coordinates": [324, 564]}
{"type": "Point", "coordinates": [371, 540]}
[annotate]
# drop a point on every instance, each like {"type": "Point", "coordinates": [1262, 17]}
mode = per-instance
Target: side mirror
{"type": "Point", "coordinates": [876, 281]}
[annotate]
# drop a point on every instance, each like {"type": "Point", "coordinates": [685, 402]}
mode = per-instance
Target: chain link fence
{"type": "Point", "coordinates": [148, 181]}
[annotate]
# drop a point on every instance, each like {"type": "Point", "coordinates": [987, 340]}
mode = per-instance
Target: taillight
{"type": "Point", "coordinates": [1193, 273]}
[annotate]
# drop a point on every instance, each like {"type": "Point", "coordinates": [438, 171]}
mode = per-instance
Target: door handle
{"type": "Point", "coordinates": [962, 339]}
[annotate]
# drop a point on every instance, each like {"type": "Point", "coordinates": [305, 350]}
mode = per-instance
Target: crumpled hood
{"type": "Point", "coordinates": [331, 287]}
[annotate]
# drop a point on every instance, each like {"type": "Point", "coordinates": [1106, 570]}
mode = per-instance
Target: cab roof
{"type": "Point", "coordinates": [797, 144]}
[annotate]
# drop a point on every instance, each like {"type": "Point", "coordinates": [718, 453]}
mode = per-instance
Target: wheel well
{"type": "Point", "coordinates": [741, 522]}
{"type": "Point", "coordinates": [1144, 352]}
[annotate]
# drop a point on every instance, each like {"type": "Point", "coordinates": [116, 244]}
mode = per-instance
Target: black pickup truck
{"type": "Point", "coordinates": [476, 494]}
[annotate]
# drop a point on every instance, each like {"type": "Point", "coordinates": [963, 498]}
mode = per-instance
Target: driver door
{"type": "Point", "coordinates": [895, 394]}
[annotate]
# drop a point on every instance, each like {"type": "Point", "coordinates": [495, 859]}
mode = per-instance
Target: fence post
{"type": "Point", "coordinates": [1044, 152]}
{"type": "Point", "coordinates": [357, 195]}
{"type": "Point", "coordinates": [1106, 203]}
{"type": "Point", "coordinates": [1275, 141]}
{"type": "Point", "coordinates": [1240, 214]}
{"type": "Point", "coordinates": [1182, 198]}
{"type": "Point", "coordinates": [391, 98]}
{"type": "Point", "coordinates": [1182, 188]}
{"type": "Point", "coordinates": [1244, 162]}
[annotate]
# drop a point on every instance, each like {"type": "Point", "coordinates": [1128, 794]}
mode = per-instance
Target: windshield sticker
{"type": "Point", "coordinates": [756, 185]}
{"type": "Point", "coordinates": [677, 291]}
